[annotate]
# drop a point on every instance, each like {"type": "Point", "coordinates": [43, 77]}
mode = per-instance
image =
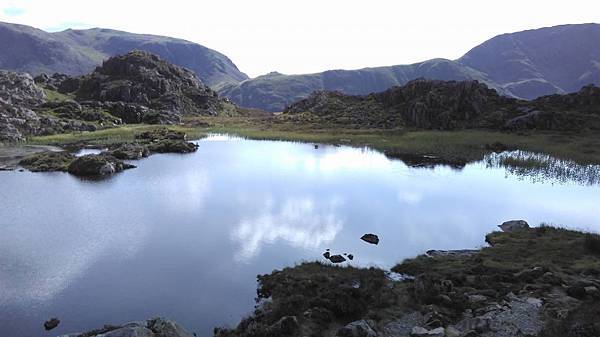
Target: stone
{"type": "Point", "coordinates": [156, 327]}
{"type": "Point", "coordinates": [361, 328]}
{"type": "Point", "coordinates": [337, 259]}
{"type": "Point", "coordinates": [172, 146]}
{"type": "Point", "coordinates": [51, 323]}
{"type": "Point", "coordinates": [476, 298]}
{"type": "Point", "coordinates": [370, 238]}
{"type": "Point", "coordinates": [130, 151]}
{"type": "Point", "coordinates": [403, 326]}
{"type": "Point", "coordinates": [452, 332]}
{"type": "Point", "coordinates": [514, 225]}
{"type": "Point", "coordinates": [97, 165]}
{"type": "Point", "coordinates": [418, 331]}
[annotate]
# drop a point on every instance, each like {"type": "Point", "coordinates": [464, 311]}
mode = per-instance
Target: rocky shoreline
{"type": "Point", "coordinates": [541, 281]}
{"type": "Point", "coordinates": [111, 159]}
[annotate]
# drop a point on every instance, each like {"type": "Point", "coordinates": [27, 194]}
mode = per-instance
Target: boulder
{"type": "Point", "coordinates": [361, 328]}
{"type": "Point", "coordinates": [513, 225]}
{"type": "Point", "coordinates": [370, 238]}
{"type": "Point", "coordinates": [97, 165]}
{"type": "Point", "coordinates": [337, 259]}
{"type": "Point", "coordinates": [172, 146]}
{"type": "Point", "coordinates": [51, 324]}
{"type": "Point", "coordinates": [130, 151]}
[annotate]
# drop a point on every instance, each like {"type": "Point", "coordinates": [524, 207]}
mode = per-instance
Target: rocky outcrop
{"type": "Point", "coordinates": [145, 82]}
{"type": "Point", "coordinates": [156, 327]}
{"type": "Point", "coordinates": [20, 98]}
{"type": "Point", "coordinates": [47, 161]}
{"type": "Point", "coordinates": [97, 165]}
{"type": "Point", "coordinates": [429, 104]}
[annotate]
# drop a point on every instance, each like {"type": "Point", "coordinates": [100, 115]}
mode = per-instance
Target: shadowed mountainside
{"type": "Point", "coordinates": [77, 52]}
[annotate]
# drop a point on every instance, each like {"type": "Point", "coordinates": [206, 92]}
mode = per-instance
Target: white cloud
{"type": "Point", "coordinates": [312, 35]}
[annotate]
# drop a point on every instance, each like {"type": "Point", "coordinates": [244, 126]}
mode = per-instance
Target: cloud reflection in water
{"type": "Point", "coordinates": [302, 222]}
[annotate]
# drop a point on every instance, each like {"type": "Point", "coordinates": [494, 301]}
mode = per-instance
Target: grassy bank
{"type": "Point", "coordinates": [466, 145]}
{"type": "Point", "coordinates": [462, 145]}
{"type": "Point", "coordinates": [110, 136]}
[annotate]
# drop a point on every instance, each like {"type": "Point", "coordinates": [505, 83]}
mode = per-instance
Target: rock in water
{"type": "Point", "coordinates": [51, 323]}
{"type": "Point", "coordinates": [514, 225]}
{"type": "Point", "coordinates": [337, 259]}
{"type": "Point", "coordinates": [370, 238]}
{"type": "Point", "coordinates": [97, 165]}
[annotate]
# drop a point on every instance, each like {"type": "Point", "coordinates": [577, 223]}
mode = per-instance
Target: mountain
{"type": "Point", "coordinates": [77, 52]}
{"type": "Point", "coordinates": [449, 105]}
{"type": "Point", "coordinates": [542, 61]}
{"type": "Point", "coordinates": [525, 65]}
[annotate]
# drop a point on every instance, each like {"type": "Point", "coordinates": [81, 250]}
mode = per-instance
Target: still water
{"type": "Point", "coordinates": [184, 236]}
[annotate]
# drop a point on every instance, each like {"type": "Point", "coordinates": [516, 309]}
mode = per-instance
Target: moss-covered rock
{"type": "Point", "coordinates": [47, 161]}
{"type": "Point", "coordinates": [97, 165]}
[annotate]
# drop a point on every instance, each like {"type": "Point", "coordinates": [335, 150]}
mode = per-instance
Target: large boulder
{"type": "Point", "coordinates": [97, 165]}
{"type": "Point", "coordinates": [513, 225]}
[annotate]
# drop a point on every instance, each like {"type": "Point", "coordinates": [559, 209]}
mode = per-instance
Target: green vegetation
{"type": "Point", "coordinates": [464, 145]}
{"type": "Point", "coordinates": [109, 136]}
{"type": "Point", "coordinates": [55, 96]}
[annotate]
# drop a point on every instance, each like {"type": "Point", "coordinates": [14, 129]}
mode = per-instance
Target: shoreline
{"type": "Point", "coordinates": [539, 281]}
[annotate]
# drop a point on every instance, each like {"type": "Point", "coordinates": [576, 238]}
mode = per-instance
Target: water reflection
{"type": "Point", "coordinates": [301, 222]}
{"type": "Point", "coordinates": [539, 167]}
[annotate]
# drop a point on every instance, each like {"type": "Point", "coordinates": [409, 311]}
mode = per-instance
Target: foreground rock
{"type": "Point", "coordinates": [97, 165]}
{"type": "Point", "coordinates": [370, 238]}
{"type": "Point", "coordinates": [51, 324]}
{"type": "Point", "coordinates": [156, 327]}
{"type": "Point", "coordinates": [529, 282]}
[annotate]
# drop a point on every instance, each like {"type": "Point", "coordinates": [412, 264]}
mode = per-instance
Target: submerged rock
{"type": "Point", "coordinates": [514, 225]}
{"type": "Point", "coordinates": [97, 165]}
{"type": "Point", "coordinates": [51, 323]}
{"type": "Point", "coordinates": [370, 238]}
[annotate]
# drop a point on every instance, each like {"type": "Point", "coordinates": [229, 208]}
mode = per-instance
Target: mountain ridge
{"type": "Point", "coordinates": [523, 80]}
{"type": "Point", "coordinates": [78, 52]}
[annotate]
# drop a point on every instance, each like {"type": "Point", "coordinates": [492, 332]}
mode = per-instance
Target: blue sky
{"type": "Point", "coordinates": [310, 35]}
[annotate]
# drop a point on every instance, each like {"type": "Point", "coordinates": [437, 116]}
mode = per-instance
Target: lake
{"type": "Point", "coordinates": [184, 236]}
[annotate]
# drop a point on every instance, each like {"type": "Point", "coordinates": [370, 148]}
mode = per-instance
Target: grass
{"type": "Point", "coordinates": [466, 145]}
{"type": "Point", "coordinates": [55, 96]}
{"type": "Point", "coordinates": [462, 145]}
{"type": "Point", "coordinates": [109, 136]}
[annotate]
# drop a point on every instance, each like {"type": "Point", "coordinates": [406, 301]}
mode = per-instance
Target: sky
{"type": "Point", "coordinates": [294, 37]}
